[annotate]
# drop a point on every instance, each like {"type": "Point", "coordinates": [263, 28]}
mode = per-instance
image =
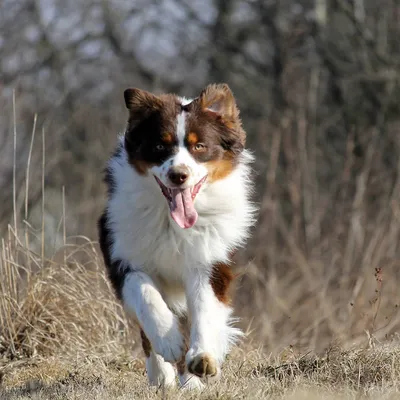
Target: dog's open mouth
{"type": "Point", "coordinates": [180, 203]}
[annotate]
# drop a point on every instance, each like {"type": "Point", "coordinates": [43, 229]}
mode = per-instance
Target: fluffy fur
{"type": "Point", "coordinates": [160, 270]}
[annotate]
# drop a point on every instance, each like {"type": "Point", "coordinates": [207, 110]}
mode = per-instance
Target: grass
{"type": "Point", "coordinates": [57, 306]}
{"type": "Point", "coordinates": [64, 336]}
{"type": "Point", "coordinates": [355, 374]}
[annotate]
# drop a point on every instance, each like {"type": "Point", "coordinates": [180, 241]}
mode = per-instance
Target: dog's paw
{"type": "Point", "coordinates": [190, 382]}
{"type": "Point", "coordinates": [203, 365]}
{"type": "Point", "coordinates": [160, 372]}
{"type": "Point", "coordinates": [171, 345]}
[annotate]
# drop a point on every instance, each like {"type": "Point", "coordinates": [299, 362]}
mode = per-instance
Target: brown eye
{"type": "Point", "coordinates": [199, 147]}
{"type": "Point", "coordinates": [160, 147]}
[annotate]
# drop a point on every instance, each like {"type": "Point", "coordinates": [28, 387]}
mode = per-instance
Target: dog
{"type": "Point", "coordinates": [179, 204]}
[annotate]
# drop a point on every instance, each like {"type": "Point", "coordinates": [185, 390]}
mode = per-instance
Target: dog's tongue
{"type": "Point", "coordinates": [182, 208]}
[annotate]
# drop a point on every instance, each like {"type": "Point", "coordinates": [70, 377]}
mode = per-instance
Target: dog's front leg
{"type": "Point", "coordinates": [141, 297]}
{"type": "Point", "coordinates": [211, 333]}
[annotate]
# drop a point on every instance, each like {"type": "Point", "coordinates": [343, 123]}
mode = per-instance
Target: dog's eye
{"type": "Point", "coordinates": [199, 147]}
{"type": "Point", "coordinates": [160, 147]}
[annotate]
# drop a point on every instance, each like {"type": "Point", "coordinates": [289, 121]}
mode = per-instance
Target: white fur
{"type": "Point", "coordinates": [180, 128]}
{"type": "Point", "coordinates": [160, 372]}
{"type": "Point", "coordinates": [211, 330]}
{"type": "Point", "coordinates": [185, 101]}
{"type": "Point", "coordinates": [190, 382]}
{"type": "Point", "coordinates": [161, 326]}
{"type": "Point", "coordinates": [146, 236]}
{"type": "Point", "coordinates": [181, 158]}
{"type": "Point", "coordinates": [171, 266]}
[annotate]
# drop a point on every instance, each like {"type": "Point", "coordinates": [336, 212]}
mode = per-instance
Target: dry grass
{"type": "Point", "coordinates": [64, 336]}
{"type": "Point", "coordinates": [57, 306]}
{"type": "Point", "coordinates": [369, 373]}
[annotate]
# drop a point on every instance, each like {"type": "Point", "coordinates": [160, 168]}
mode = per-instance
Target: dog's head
{"type": "Point", "coordinates": [184, 143]}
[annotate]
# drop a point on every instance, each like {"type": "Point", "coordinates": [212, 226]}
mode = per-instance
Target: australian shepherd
{"type": "Point", "coordinates": [179, 186]}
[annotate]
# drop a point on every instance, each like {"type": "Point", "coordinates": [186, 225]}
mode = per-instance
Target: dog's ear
{"type": "Point", "coordinates": [218, 99]}
{"type": "Point", "coordinates": [141, 105]}
{"type": "Point", "coordinates": [140, 100]}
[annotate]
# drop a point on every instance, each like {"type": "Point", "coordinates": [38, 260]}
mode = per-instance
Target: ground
{"type": "Point", "coordinates": [372, 372]}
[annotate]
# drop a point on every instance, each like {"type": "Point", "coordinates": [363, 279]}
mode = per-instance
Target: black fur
{"type": "Point", "coordinates": [117, 270]}
{"type": "Point", "coordinates": [108, 176]}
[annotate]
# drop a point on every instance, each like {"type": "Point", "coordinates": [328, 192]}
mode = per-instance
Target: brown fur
{"type": "Point", "coordinates": [218, 99]}
{"type": "Point", "coordinates": [141, 104]}
{"type": "Point", "coordinates": [219, 169]}
{"type": "Point", "coordinates": [185, 329]}
{"type": "Point", "coordinates": [192, 138]}
{"type": "Point", "coordinates": [168, 138]}
{"type": "Point", "coordinates": [221, 279]}
{"type": "Point", "coordinates": [140, 166]}
{"type": "Point", "coordinates": [212, 119]}
{"type": "Point", "coordinates": [152, 119]}
{"type": "Point", "coordinates": [145, 343]}
{"type": "Point", "coordinates": [138, 99]}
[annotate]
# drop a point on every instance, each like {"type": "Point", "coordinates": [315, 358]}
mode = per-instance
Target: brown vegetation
{"type": "Point", "coordinates": [361, 374]}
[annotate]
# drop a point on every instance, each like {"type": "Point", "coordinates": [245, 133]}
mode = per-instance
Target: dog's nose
{"type": "Point", "coordinates": [178, 175]}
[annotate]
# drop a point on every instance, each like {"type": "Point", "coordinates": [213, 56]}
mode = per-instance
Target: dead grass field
{"type": "Point", "coordinates": [366, 373]}
{"type": "Point", "coordinates": [63, 336]}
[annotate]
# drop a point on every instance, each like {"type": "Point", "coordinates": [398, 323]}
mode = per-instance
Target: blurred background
{"type": "Point", "coordinates": [317, 82]}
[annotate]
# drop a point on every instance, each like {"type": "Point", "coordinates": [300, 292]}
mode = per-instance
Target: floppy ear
{"type": "Point", "coordinates": [218, 99]}
{"type": "Point", "coordinates": [137, 99]}
{"type": "Point", "coordinates": [141, 105]}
